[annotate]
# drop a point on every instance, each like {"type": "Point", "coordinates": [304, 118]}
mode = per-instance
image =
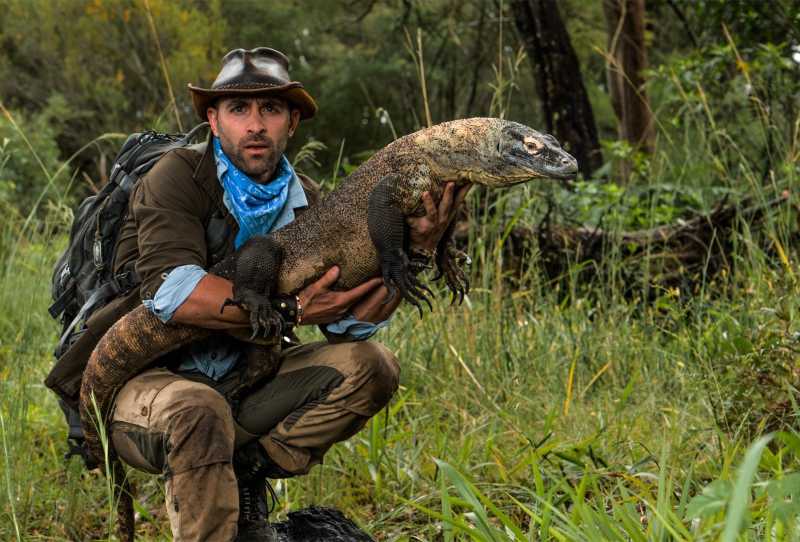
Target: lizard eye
{"type": "Point", "coordinates": [532, 145]}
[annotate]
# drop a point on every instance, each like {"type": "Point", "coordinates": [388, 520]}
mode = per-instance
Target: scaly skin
{"type": "Point", "coordinates": [366, 211]}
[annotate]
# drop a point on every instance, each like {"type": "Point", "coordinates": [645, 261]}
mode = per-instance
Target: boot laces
{"type": "Point", "coordinates": [247, 501]}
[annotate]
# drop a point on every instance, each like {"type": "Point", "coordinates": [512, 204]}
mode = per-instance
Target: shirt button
{"type": "Point", "coordinates": [144, 411]}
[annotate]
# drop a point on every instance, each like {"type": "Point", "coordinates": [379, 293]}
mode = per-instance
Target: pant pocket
{"type": "Point", "coordinates": [133, 404]}
{"type": "Point", "coordinates": [140, 448]}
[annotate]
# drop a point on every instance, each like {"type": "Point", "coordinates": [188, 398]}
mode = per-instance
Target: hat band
{"type": "Point", "coordinates": [253, 86]}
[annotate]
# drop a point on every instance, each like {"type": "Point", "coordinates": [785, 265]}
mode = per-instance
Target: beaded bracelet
{"type": "Point", "coordinates": [299, 310]}
{"type": "Point", "coordinates": [288, 306]}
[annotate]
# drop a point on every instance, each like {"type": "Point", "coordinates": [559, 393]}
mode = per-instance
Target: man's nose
{"type": "Point", "coordinates": [255, 124]}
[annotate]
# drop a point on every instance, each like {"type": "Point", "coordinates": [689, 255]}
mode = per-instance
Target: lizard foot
{"type": "Point", "coordinates": [398, 276]}
{"type": "Point", "coordinates": [264, 320]}
{"type": "Point", "coordinates": [448, 263]}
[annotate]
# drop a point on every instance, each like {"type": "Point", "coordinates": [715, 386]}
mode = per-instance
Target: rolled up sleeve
{"type": "Point", "coordinates": [176, 288]}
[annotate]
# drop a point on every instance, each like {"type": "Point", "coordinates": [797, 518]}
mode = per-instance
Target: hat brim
{"type": "Point", "coordinates": [294, 92]}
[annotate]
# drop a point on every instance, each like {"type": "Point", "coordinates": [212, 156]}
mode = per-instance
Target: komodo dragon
{"type": "Point", "coordinates": [360, 227]}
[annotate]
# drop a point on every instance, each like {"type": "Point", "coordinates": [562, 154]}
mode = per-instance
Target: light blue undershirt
{"type": "Point", "coordinates": [217, 355]}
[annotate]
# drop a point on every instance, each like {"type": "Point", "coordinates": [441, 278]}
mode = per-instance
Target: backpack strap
{"type": "Point", "coordinates": [63, 300]}
{"type": "Point", "coordinates": [120, 284]}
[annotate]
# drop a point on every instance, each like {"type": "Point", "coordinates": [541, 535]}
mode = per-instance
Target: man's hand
{"type": "Point", "coordinates": [321, 305]}
{"type": "Point", "coordinates": [427, 230]}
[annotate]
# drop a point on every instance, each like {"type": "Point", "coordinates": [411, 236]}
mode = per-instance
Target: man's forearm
{"type": "Point", "coordinates": [202, 307]}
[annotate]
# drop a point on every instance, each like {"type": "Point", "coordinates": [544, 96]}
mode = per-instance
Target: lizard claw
{"type": "Point", "coordinates": [448, 264]}
{"type": "Point", "coordinates": [264, 320]}
{"type": "Point", "coordinates": [417, 266]}
{"type": "Point", "coordinates": [396, 269]}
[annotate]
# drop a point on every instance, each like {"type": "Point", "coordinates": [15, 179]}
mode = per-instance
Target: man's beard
{"type": "Point", "coordinates": [260, 169]}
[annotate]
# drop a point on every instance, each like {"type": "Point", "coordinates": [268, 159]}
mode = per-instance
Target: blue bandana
{"type": "Point", "coordinates": [254, 206]}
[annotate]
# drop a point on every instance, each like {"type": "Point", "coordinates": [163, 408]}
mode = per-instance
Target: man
{"type": "Point", "coordinates": [194, 207]}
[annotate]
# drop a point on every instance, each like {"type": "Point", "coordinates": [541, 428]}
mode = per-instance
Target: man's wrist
{"type": "Point", "coordinates": [289, 307]}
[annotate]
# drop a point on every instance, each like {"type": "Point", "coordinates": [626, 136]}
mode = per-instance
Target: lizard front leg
{"type": "Point", "coordinates": [390, 235]}
{"type": "Point", "coordinates": [255, 280]}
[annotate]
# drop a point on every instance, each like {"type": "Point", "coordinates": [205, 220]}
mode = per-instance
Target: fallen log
{"type": "Point", "coordinates": [682, 255]}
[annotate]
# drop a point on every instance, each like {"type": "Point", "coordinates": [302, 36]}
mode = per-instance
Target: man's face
{"type": "Point", "coordinates": [253, 132]}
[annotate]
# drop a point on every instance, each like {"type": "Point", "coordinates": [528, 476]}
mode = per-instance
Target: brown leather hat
{"type": "Point", "coordinates": [257, 71]}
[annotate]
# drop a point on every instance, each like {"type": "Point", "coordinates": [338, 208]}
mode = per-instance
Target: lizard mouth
{"type": "Point", "coordinates": [559, 166]}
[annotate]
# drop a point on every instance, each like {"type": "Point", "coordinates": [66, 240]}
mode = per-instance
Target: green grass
{"type": "Point", "coordinates": [523, 414]}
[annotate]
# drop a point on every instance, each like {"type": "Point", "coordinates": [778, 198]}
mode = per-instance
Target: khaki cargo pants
{"type": "Point", "coordinates": [184, 428]}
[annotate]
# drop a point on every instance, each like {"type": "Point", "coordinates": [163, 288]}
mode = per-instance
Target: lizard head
{"type": "Point", "coordinates": [521, 154]}
{"type": "Point", "coordinates": [492, 152]}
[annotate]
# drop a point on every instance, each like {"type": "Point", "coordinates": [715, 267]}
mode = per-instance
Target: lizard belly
{"type": "Point", "coordinates": [350, 248]}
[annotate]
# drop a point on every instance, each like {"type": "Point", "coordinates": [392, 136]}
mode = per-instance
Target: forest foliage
{"type": "Point", "coordinates": [72, 71]}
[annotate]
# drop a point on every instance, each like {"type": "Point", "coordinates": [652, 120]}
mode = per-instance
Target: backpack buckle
{"type": "Point", "coordinates": [97, 254]}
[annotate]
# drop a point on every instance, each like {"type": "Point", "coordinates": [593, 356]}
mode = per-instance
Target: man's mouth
{"type": "Point", "coordinates": [257, 148]}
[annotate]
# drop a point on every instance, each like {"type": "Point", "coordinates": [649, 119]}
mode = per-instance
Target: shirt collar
{"type": "Point", "coordinates": [295, 200]}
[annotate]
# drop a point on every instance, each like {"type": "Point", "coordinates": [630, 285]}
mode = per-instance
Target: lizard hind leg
{"type": "Point", "coordinates": [448, 265]}
{"type": "Point", "coordinates": [389, 233]}
{"type": "Point", "coordinates": [255, 281]}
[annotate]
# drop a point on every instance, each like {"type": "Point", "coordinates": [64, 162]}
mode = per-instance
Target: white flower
{"type": "Point", "coordinates": [796, 54]}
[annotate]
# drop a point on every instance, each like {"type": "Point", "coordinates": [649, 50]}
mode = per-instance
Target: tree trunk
{"type": "Point", "coordinates": [626, 64]}
{"type": "Point", "coordinates": [567, 111]}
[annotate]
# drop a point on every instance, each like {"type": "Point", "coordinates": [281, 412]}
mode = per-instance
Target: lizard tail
{"type": "Point", "coordinates": [123, 493]}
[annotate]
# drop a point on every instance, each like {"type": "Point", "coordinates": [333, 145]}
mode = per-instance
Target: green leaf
{"type": "Point", "coordinates": [713, 499]}
{"type": "Point", "coordinates": [784, 497]}
{"type": "Point", "coordinates": [737, 516]}
{"type": "Point", "coordinates": [447, 511]}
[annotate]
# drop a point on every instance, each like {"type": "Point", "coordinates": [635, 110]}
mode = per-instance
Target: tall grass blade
{"type": "Point", "coordinates": [9, 489]}
{"type": "Point", "coordinates": [737, 516]}
{"type": "Point", "coordinates": [447, 511]}
{"type": "Point", "coordinates": [468, 493]}
{"type": "Point", "coordinates": [163, 61]}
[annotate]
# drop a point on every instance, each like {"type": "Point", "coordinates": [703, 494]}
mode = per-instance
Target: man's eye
{"type": "Point", "coordinates": [237, 109]}
{"type": "Point", "coordinates": [268, 107]}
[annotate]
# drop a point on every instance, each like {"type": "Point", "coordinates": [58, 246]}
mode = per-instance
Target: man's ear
{"type": "Point", "coordinates": [294, 120]}
{"type": "Point", "coordinates": [211, 113]}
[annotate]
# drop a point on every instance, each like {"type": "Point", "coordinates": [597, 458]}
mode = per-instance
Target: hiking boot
{"type": "Point", "coordinates": [251, 462]}
{"type": "Point", "coordinates": [252, 467]}
{"type": "Point", "coordinates": [253, 513]}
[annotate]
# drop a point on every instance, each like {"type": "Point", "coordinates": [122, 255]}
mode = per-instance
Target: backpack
{"type": "Point", "coordinates": [83, 278]}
